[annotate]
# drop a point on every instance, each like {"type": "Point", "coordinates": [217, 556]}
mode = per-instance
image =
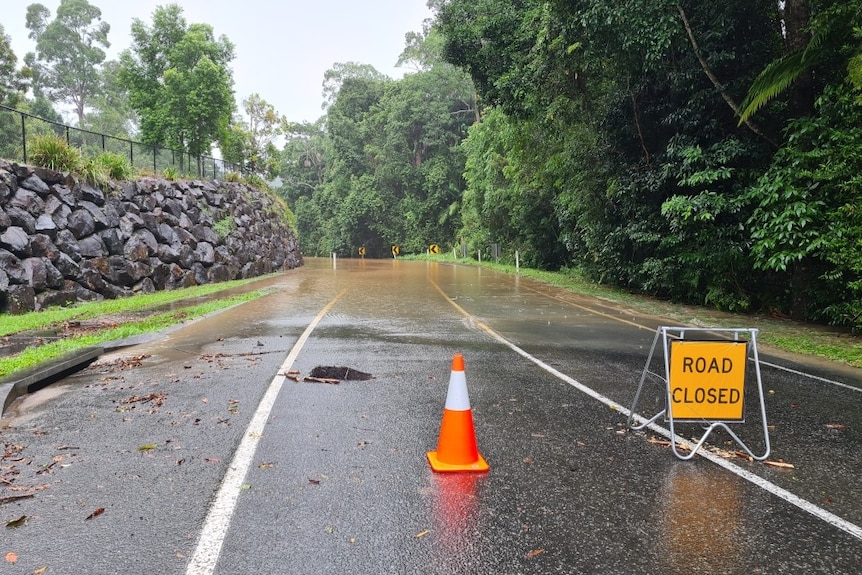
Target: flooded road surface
{"type": "Point", "coordinates": [207, 458]}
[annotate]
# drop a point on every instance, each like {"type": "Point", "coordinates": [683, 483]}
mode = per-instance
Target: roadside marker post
{"type": "Point", "coordinates": [704, 382]}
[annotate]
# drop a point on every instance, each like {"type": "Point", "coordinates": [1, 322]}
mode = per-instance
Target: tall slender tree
{"type": "Point", "coordinates": [69, 52]}
{"type": "Point", "coordinates": [251, 140]}
{"type": "Point", "coordinates": [13, 81]}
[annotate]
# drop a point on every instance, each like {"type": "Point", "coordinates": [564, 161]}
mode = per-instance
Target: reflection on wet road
{"type": "Point", "coordinates": [338, 481]}
{"type": "Point", "coordinates": [569, 489]}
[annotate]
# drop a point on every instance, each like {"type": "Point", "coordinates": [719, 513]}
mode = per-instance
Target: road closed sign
{"type": "Point", "coordinates": [707, 380]}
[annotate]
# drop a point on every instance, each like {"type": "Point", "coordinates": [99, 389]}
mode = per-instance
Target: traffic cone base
{"type": "Point", "coordinates": [480, 465]}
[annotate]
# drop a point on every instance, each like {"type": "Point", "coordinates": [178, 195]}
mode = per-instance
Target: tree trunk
{"type": "Point", "coordinates": [796, 16]}
{"type": "Point", "coordinates": [799, 284]}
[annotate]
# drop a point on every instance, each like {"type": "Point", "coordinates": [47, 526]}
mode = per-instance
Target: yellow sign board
{"type": "Point", "coordinates": [362, 251]}
{"type": "Point", "coordinates": [707, 380]}
{"type": "Point", "coordinates": [396, 250]}
{"type": "Point", "coordinates": [434, 249]}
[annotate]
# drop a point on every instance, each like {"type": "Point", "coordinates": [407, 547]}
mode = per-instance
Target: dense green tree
{"type": "Point", "coordinates": [804, 223]}
{"type": "Point", "coordinates": [650, 88]}
{"type": "Point", "coordinates": [179, 81]}
{"type": "Point", "coordinates": [302, 161]}
{"type": "Point", "coordinates": [632, 112]}
{"type": "Point", "coordinates": [334, 78]}
{"type": "Point", "coordinates": [347, 134]}
{"type": "Point", "coordinates": [388, 170]}
{"type": "Point", "coordinates": [69, 53]}
{"type": "Point", "coordinates": [513, 198]}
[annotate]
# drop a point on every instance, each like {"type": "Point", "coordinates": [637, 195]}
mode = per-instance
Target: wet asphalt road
{"type": "Point", "coordinates": [337, 479]}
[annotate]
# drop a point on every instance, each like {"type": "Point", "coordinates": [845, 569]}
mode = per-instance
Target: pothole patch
{"type": "Point", "coordinates": [328, 374]}
{"type": "Point", "coordinates": [347, 373]}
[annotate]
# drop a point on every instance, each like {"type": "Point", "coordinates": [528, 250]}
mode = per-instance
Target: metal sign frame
{"type": "Point", "coordinates": [665, 334]}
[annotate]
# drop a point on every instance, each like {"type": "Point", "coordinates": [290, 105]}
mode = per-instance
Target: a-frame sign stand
{"type": "Point", "coordinates": [704, 381]}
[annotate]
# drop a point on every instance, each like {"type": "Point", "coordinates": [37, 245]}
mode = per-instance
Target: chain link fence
{"type": "Point", "coordinates": [18, 129]}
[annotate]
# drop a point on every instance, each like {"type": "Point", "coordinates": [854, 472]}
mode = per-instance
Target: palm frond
{"type": "Point", "coordinates": [781, 73]}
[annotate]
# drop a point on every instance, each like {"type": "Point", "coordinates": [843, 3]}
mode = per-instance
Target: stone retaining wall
{"type": "Point", "coordinates": [63, 240]}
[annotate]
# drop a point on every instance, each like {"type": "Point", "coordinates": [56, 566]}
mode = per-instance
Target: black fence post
{"type": "Point", "coordinates": [24, 136]}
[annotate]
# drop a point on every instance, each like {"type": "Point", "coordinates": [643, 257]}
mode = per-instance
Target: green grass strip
{"type": "Point", "coordinates": [35, 355]}
{"type": "Point", "coordinates": [10, 324]}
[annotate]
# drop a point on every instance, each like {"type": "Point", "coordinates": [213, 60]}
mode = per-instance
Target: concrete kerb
{"type": "Point", "coordinates": [38, 377]}
{"type": "Point", "coordinates": [31, 380]}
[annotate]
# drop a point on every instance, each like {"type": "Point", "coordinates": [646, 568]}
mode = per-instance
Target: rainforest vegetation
{"type": "Point", "coordinates": [702, 152]}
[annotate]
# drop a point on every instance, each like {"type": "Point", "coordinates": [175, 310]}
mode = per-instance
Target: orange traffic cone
{"type": "Point", "coordinates": [456, 448]}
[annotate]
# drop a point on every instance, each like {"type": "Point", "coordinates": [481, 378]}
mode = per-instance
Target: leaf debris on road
{"type": "Point", "coordinates": [15, 523]}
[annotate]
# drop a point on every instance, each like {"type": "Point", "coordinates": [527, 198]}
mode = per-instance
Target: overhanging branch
{"type": "Point", "coordinates": [712, 78]}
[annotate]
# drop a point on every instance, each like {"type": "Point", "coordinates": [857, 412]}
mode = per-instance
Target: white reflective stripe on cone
{"type": "Point", "coordinates": [457, 398]}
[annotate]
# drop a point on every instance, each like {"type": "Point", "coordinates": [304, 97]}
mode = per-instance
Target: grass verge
{"type": "Point", "coordinates": [10, 324]}
{"type": "Point", "coordinates": [140, 314]}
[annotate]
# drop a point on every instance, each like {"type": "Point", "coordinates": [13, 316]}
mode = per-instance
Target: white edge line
{"type": "Point", "coordinates": [803, 504]}
{"type": "Point", "coordinates": [641, 326]}
{"type": "Point", "coordinates": [213, 533]}
{"type": "Point", "coordinates": [809, 376]}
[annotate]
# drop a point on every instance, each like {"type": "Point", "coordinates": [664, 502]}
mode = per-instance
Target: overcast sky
{"type": "Point", "coordinates": [283, 47]}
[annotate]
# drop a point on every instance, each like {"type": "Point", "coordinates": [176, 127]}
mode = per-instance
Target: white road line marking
{"type": "Point", "coordinates": [809, 376]}
{"type": "Point", "coordinates": [803, 504]}
{"type": "Point", "coordinates": [641, 326]}
{"type": "Point", "coordinates": [207, 552]}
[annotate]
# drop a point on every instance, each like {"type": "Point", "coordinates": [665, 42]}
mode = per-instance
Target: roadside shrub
{"type": "Point", "coordinates": [171, 174]}
{"type": "Point", "coordinates": [256, 181]}
{"type": "Point", "coordinates": [233, 177]}
{"type": "Point", "coordinates": [95, 173]}
{"type": "Point", "coordinates": [116, 165]}
{"type": "Point", "coordinates": [224, 227]}
{"type": "Point", "coordinates": [53, 152]}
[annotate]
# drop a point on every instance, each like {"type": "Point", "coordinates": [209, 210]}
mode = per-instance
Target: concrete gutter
{"type": "Point", "coordinates": [38, 377]}
{"type": "Point", "coordinates": [30, 380]}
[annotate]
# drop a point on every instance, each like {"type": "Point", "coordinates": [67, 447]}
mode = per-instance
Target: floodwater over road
{"type": "Point", "coordinates": [285, 476]}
